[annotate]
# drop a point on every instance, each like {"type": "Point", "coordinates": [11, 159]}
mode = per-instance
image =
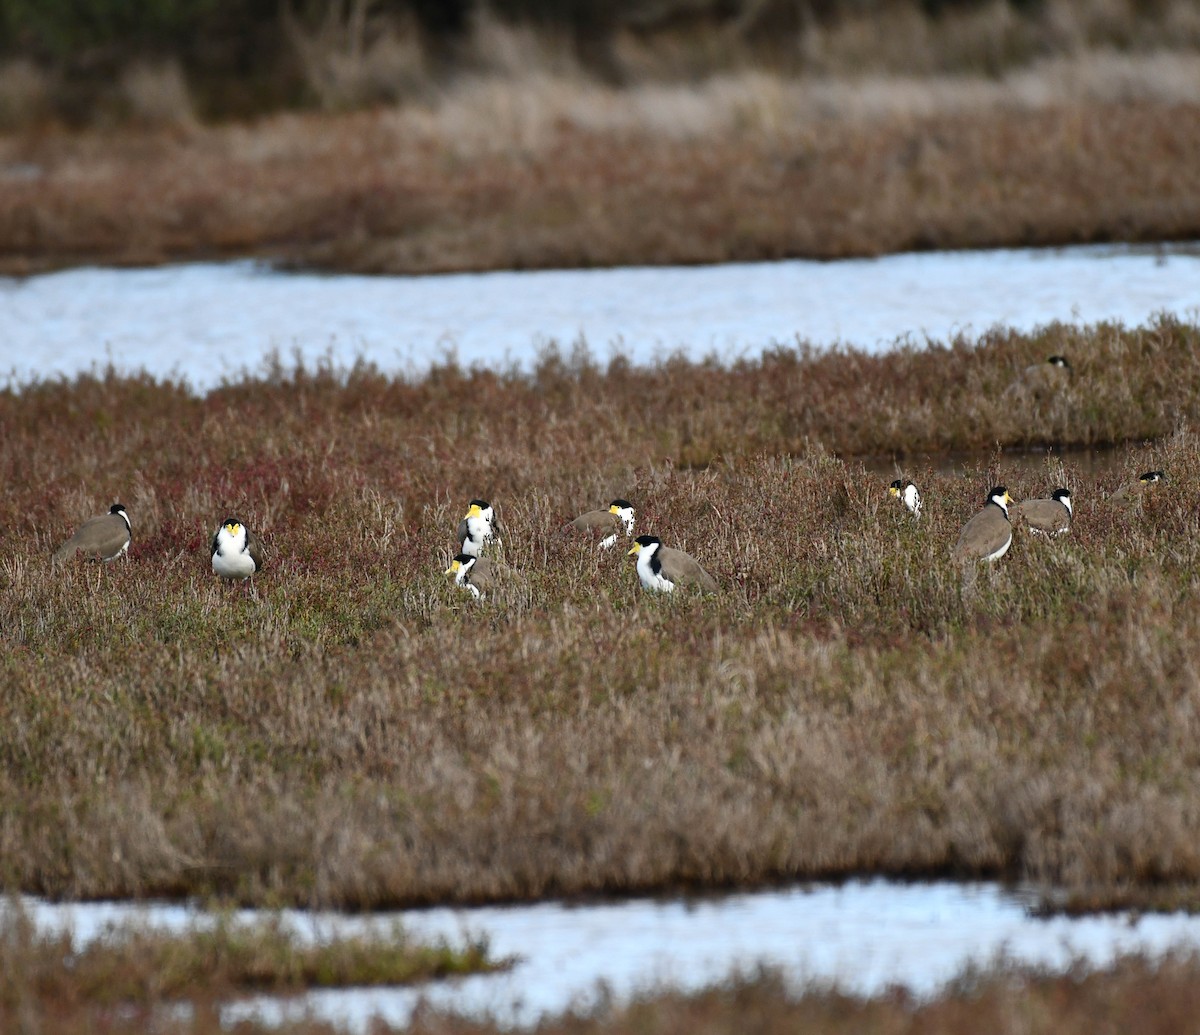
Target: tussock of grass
{"type": "Point", "coordinates": [360, 733]}
{"type": "Point", "coordinates": [130, 964]}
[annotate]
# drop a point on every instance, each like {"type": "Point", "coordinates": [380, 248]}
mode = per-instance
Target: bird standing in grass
{"type": "Point", "coordinates": [988, 535]}
{"type": "Point", "coordinates": [1048, 517]}
{"type": "Point", "coordinates": [608, 523]}
{"type": "Point", "coordinates": [477, 528]}
{"type": "Point", "coordinates": [474, 574]}
{"type": "Point", "coordinates": [1130, 494]}
{"type": "Point", "coordinates": [907, 493]}
{"type": "Point", "coordinates": [662, 568]}
{"type": "Point", "coordinates": [1043, 380]}
{"type": "Point", "coordinates": [236, 551]}
{"type": "Point", "coordinates": [102, 538]}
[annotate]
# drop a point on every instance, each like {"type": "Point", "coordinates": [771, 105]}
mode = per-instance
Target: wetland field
{"type": "Point", "coordinates": [352, 732]}
{"type": "Point", "coordinates": [357, 733]}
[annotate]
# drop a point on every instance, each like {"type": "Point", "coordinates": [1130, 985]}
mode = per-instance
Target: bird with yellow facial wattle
{"type": "Point", "coordinates": [988, 535]}
{"type": "Point", "coordinates": [477, 575]}
{"type": "Point", "coordinates": [906, 492]}
{"type": "Point", "coordinates": [607, 524]}
{"type": "Point", "coordinates": [477, 528]}
{"type": "Point", "coordinates": [661, 568]}
{"type": "Point", "coordinates": [237, 553]}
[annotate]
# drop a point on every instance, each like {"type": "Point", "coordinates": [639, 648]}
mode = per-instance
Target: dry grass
{"type": "Point", "coordinates": [360, 733]}
{"type": "Point", "coordinates": [546, 171]}
{"type": "Point", "coordinates": [1131, 995]}
{"type": "Point", "coordinates": [130, 965]}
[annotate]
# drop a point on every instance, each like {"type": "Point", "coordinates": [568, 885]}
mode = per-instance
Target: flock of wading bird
{"type": "Point", "coordinates": [237, 553]}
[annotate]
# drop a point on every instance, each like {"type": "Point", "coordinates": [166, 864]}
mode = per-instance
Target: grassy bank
{"type": "Point", "coordinates": [140, 966]}
{"type": "Point", "coordinates": [359, 733]}
{"type": "Point", "coordinates": [1157, 998]}
{"type": "Point", "coordinates": [547, 171]}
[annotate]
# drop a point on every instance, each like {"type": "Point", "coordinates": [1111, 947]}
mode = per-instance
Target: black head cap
{"type": "Point", "coordinates": [898, 485]}
{"type": "Point", "coordinates": [1153, 476]}
{"type": "Point", "coordinates": [997, 490]}
{"type": "Point", "coordinates": [481, 504]}
{"type": "Point", "coordinates": [1061, 494]}
{"type": "Point", "coordinates": [116, 508]}
{"type": "Point", "coordinates": [464, 559]}
{"type": "Point", "coordinates": [648, 540]}
{"type": "Point", "coordinates": [621, 504]}
{"type": "Point", "coordinates": [231, 521]}
{"type": "Point", "coordinates": [1059, 361]}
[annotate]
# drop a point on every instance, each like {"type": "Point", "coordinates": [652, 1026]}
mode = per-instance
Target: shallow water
{"type": "Point", "coordinates": [864, 936]}
{"type": "Point", "coordinates": [208, 322]}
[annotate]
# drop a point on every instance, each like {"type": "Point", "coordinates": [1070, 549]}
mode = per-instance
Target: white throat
{"type": "Point", "coordinates": [655, 581]}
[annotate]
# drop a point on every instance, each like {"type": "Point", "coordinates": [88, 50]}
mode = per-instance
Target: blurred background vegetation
{"type": "Point", "coordinates": [96, 62]}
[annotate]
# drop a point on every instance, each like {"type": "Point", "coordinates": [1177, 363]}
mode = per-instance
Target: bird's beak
{"type": "Point", "coordinates": [474, 511]}
{"type": "Point", "coordinates": [635, 549]}
{"type": "Point", "coordinates": [1008, 498]}
{"type": "Point", "coordinates": [893, 491]}
{"type": "Point", "coordinates": [452, 569]}
{"type": "Point", "coordinates": [614, 510]}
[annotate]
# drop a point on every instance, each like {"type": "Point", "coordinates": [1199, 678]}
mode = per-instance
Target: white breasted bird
{"type": "Point", "coordinates": [236, 551]}
{"type": "Point", "coordinates": [102, 538]}
{"type": "Point", "coordinates": [609, 524]}
{"type": "Point", "coordinates": [662, 568]}
{"type": "Point", "coordinates": [1049, 517]}
{"type": "Point", "coordinates": [907, 493]}
{"type": "Point", "coordinates": [988, 535]}
{"type": "Point", "coordinates": [474, 574]}
{"type": "Point", "coordinates": [477, 528]}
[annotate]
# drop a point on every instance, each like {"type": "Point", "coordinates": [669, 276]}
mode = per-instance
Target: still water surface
{"type": "Point", "coordinates": [208, 322]}
{"type": "Point", "coordinates": [864, 936]}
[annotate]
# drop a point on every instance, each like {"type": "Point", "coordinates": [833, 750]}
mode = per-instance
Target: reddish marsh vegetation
{"type": "Point", "coordinates": [548, 173]}
{"type": "Point", "coordinates": [362, 733]}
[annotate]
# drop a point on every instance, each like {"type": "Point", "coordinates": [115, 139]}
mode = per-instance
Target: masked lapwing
{"type": "Point", "coordinates": [988, 535]}
{"type": "Point", "coordinates": [661, 568]}
{"type": "Point", "coordinates": [477, 575]}
{"type": "Point", "coordinates": [477, 528]}
{"type": "Point", "coordinates": [1043, 380]}
{"type": "Point", "coordinates": [609, 524]}
{"type": "Point", "coordinates": [907, 493]}
{"type": "Point", "coordinates": [1050, 517]}
{"type": "Point", "coordinates": [102, 538]}
{"type": "Point", "coordinates": [237, 552]}
{"type": "Point", "coordinates": [1130, 494]}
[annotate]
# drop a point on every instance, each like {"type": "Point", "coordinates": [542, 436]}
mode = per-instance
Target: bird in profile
{"type": "Point", "coordinates": [1131, 493]}
{"type": "Point", "coordinates": [102, 538]}
{"type": "Point", "coordinates": [477, 575]}
{"type": "Point", "coordinates": [1049, 517]}
{"type": "Point", "coordinates": [609, 523]}
{"type": "Point", "coordinates": [907, 493]}
{"type": "Point", "coordinates": [988, 535]}
{"type": "Point", "coordinates": [661, 568]}
{"type": "Point", "coordinates": [236, 551]}
{"type": "Point", "coordinates": [477, 528]}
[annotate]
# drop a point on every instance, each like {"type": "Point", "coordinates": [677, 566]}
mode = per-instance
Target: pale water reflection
{"type": "Point", "coordinates": [863, 936]}
{"type": "Point", "coordinates": [208, 322]}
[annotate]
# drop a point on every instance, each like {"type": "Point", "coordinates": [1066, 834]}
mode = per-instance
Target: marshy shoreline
{"type": "Point", "coordinates": [542, 171]}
